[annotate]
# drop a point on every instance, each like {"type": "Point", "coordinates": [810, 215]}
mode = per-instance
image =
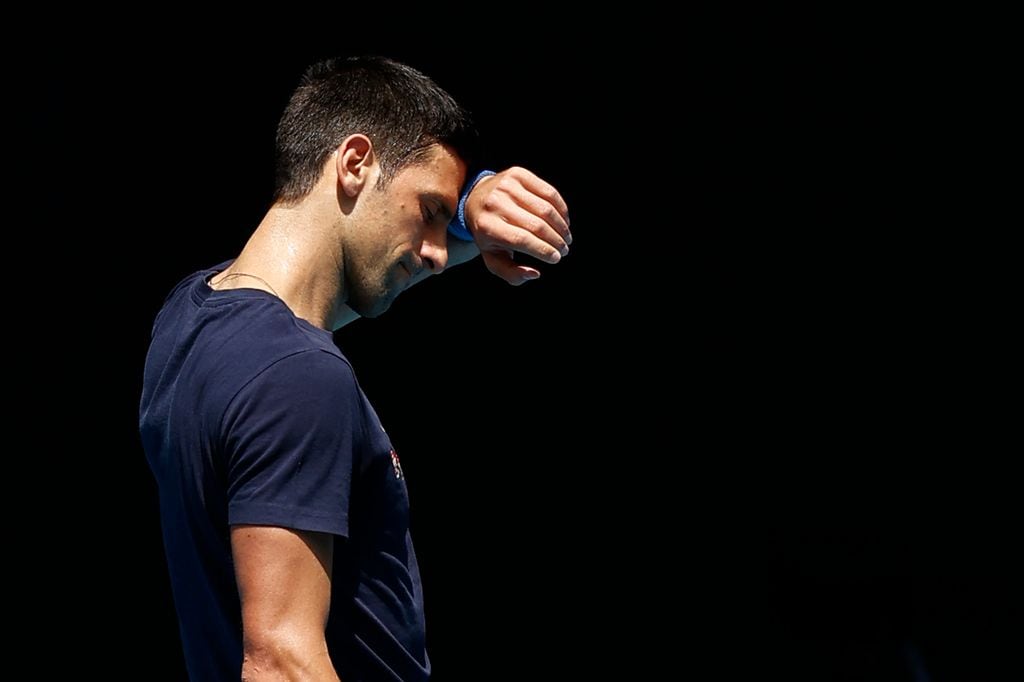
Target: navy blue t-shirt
{"type": "Point", "coordinates": [251, 415]}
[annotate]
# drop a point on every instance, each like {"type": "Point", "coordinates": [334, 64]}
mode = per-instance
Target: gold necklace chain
{"type": "Point", "coordinates": [245, 274]}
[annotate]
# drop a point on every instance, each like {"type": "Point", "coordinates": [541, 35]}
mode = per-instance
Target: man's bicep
{"type": "Point", "coordinates": [284, 582]}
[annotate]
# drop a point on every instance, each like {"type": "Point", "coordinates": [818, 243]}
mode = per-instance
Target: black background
{"type": "Point", "coordinates": [724, 434]}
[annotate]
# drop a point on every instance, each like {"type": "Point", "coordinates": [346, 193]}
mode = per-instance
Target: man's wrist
{"type": "Point", "coordinates": [458, 227]}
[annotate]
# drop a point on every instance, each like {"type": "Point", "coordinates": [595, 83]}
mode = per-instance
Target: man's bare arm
{"type": "Point", "coordinates": [284, 583]}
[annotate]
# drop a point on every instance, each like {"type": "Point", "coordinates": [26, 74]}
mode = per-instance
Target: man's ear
{"type": "Point", "coordinates": [355, 164]}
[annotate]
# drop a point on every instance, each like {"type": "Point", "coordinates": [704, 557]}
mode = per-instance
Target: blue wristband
{"type": "Point", "coordinates": [457, 227]}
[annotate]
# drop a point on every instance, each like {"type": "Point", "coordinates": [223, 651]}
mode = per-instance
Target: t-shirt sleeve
{"type": "Point", "coordinates": [291, 438]}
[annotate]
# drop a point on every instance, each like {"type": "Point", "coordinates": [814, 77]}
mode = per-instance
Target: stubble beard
{"type": "Point", "coordinates": [373, 298]}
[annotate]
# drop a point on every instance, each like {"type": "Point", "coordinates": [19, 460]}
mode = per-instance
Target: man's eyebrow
{"type": "Point", "coordinates": [443, 207]}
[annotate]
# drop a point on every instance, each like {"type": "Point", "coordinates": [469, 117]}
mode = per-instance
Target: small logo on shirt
{"type": "Point", "coordinates": [396, 464]}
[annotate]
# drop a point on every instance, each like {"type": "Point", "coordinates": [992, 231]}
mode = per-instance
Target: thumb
{"type": "Point", "coordinates": [502, 265]}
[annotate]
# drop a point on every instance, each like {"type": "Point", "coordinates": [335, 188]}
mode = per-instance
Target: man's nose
{"type": "Point", "coordinates": [434, 253]}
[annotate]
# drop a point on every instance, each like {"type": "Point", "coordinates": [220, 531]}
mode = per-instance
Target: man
{"type": "Point", "coordinates": [283, 505]}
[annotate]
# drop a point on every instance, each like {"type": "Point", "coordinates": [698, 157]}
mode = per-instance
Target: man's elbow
{"type": "Point", "coordinates": [284, 655]}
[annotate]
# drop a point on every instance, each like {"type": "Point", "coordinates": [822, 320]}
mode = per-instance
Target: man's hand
{"type": "Point", "coordinates": [515, 211]}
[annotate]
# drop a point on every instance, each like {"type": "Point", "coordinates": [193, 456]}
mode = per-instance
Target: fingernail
{"type": "Point", "coordinates": [564, 251]}
{"type": "Point", "coordinates": [568, 237]}
{"type": "Point", "coordinates": [531, 275]}
{"type": "Point", "coordinates": [555, 256]}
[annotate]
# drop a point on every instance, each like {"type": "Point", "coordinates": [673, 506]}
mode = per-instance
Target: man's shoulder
{"type": "Point", "coordinates": [293, 378]}
{"type": "Point", "coordinates": [263, 340]}
{"type": "Point", "coordinates": [301, 393]}
{"type": "Point", "coordinates": [233, 336]}
{"type": "Point", "coordinates": [309, 371]}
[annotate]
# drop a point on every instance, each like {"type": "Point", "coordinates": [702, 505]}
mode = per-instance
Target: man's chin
{"type": "Point", "coordinates": [373, 308]}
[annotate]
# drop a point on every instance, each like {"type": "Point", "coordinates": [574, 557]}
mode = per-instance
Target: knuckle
{"type": "Point", "coordinates": [506, 184]}
{"type": "Point", "coordinates": [521, 239]}
{"type": "Point", "coordinates": [537, 226]}
{"type": "Point", "coordinates": [483, 223]}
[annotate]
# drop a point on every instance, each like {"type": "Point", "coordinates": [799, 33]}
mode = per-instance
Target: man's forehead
{"type": "Point", "coordinates": [440, 157]}
{"type": "Point", "coordinates": [440, 172]}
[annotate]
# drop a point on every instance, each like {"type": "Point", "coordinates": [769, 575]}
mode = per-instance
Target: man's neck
{"type": "Point", "coordinates": [294, 254]}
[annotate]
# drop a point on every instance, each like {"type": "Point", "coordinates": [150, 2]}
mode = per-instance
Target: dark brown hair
{"type": "Point", "coordinates": [401, 110]}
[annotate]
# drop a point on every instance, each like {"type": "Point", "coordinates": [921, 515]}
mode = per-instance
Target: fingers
{"type": "Point", "coordinates": [543, 201]}
{"type": "Point", "coordinates": [523, 213]}
{"type": "Point", "coordinates": [519, 230]}
{"type": "Point", "coordinates": [502, 265]}
{"type": "Point", "coordinates": [517, 212]}
{"type": "Point", "coordinates": [542, 190]}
